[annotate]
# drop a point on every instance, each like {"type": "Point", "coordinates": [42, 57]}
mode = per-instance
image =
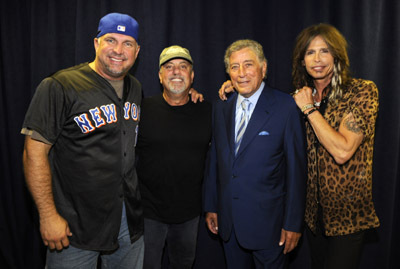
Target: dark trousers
{"type": "Point", "coordinates": [332, 252]}
{"type": "Point", "coordinates": [238, 257]}
{"type": "Point", "coordinates": [181, 242]}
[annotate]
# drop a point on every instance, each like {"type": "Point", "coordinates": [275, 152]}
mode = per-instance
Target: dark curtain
{"type": "Point", "coordinates": [39, 37]}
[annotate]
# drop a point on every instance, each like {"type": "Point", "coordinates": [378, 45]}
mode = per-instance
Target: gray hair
{"type": "Point", "coordinates": [241, 44]}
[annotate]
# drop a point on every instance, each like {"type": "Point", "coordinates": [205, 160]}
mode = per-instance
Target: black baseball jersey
{"type": "Point", "coordinates": [93, 134]}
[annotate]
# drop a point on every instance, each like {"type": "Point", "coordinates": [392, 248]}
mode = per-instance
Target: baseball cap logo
{"type": "Point", "coordinates": [120, 24]}
{"type": "Point", "coordinates": [121, 28]}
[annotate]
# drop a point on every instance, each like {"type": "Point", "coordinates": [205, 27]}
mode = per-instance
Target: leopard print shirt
{"type": "Point", "coordinates": [345, 191]}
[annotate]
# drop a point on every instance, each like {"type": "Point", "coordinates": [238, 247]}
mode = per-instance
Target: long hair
{"type": "Point", "coordinates": [337, 45]}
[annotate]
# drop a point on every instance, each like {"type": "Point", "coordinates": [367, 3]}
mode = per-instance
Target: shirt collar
{"type": "Point", "coordinates": [253, 99]}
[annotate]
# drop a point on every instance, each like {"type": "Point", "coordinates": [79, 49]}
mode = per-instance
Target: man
{"type": "Point", "coordinates": [80, 151]}
{"type": "Point", "coordinates": [255, 186]}
{"type": "Point", "coordinates": [172, 146]}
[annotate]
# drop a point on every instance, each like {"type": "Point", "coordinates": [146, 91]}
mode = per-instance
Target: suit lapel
{"type": "Point", "coordinates": [260, 116]}
{"type": "Point", "coordinates": [229, 119]}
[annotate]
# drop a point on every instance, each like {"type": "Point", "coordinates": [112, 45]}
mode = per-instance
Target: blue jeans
{"type": "Point", "coordinates": [126, 256]}
{"type": "Point", "coordinates": [181, 242]}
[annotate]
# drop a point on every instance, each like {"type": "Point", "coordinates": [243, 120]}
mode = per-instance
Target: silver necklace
{"type": "Point", "coordinates": [313, 94]}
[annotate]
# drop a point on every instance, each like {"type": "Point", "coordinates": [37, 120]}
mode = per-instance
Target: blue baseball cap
{"type": "Point", "coordinates": [120, 24]}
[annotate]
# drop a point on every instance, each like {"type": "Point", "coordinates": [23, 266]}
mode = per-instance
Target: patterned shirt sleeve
{"type": "Point", "coordinates": [364, 106]}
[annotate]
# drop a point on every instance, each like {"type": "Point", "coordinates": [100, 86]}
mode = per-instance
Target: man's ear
{"type": "Point", "coordinates": [96, 42]}
{"type": "Point", "coordinates": [264, 69]}
{"type": "Point", "coordinates": [159, 76]}
{"type": "Point", "coordinates": [137, 51]}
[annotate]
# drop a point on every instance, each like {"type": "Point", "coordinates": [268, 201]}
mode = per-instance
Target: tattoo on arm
{"type": "Point", "coordinates": [351, 124]}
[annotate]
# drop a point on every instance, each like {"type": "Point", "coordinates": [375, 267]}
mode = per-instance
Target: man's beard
{"type": "Point", "coordinates": [111, 71]}
{"type": "Point", "coordinates": [177, 89]}
{"type": "Point", "coordinates": [115, 73]}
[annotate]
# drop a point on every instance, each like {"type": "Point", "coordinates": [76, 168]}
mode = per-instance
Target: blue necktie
{"type": "Point", "coordinates": [241, 124]}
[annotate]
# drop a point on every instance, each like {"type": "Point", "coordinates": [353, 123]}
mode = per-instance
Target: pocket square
{"type": "Point", "coordinates": [263, 133]}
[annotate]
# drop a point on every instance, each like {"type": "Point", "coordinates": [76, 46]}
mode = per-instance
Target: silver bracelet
{"type": "Point", "coordinates": [307, 106]}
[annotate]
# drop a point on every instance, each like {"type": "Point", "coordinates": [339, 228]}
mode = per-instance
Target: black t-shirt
{"type": "Point", "coordinates": [172, 146]}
